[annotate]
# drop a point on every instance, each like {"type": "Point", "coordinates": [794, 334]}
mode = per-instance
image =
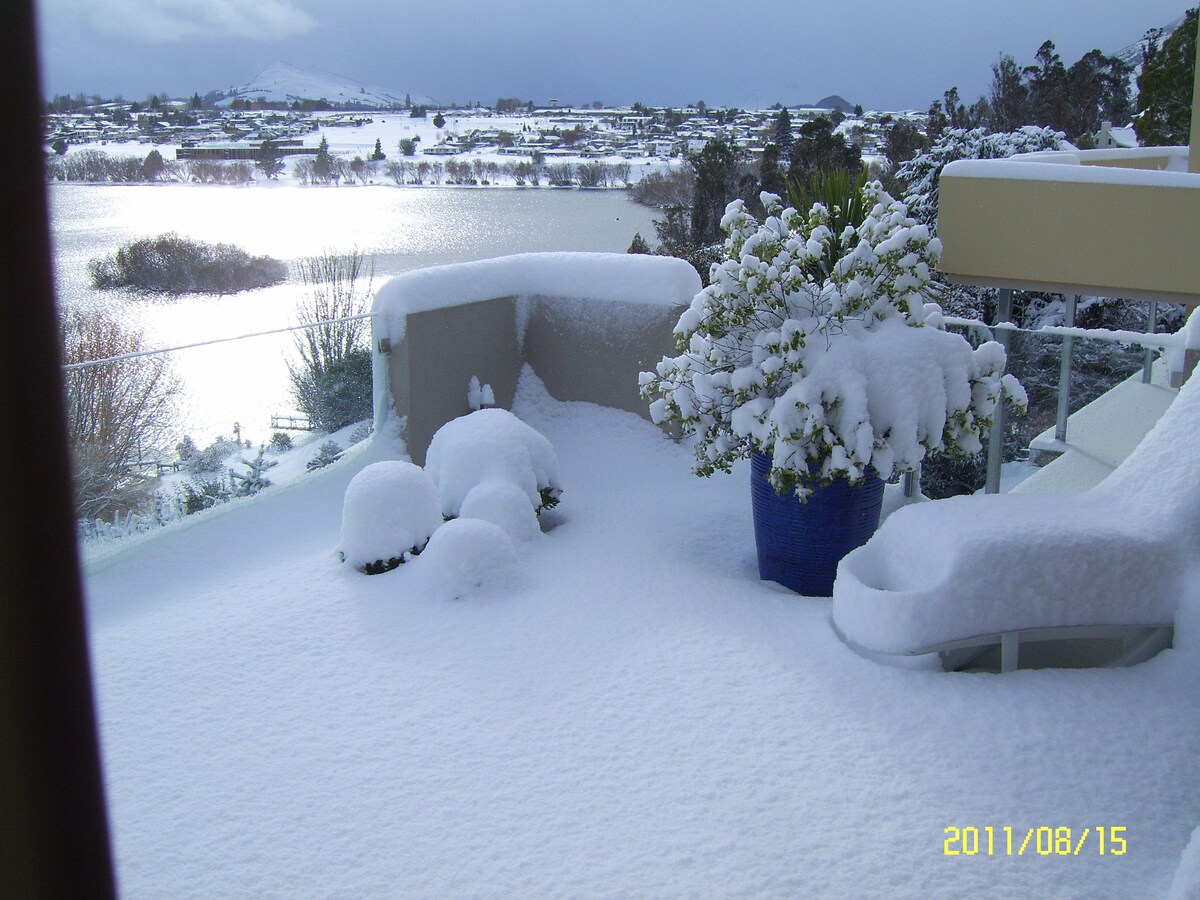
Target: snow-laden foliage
{"type": "Point", "coordinates": [921, 173]}
{"type": "Point", "coordinates": [829, 361]}
{"type": "Point", "coordinates": [492, 445]}
{"type": "Point", "coordinates": [390, 510]}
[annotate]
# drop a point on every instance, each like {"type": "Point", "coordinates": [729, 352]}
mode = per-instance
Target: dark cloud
{"type": "Point", "coordinates": [877, 52]}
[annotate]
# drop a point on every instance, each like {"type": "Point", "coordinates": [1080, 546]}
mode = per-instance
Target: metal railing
{"type": "Point", "coordinates": [1002, 331]}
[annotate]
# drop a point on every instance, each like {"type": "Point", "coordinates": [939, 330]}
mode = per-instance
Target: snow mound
{"type": "Point", "coordinates": [490, 445]}
{"type": "Point", "coordinates": [467, 555]}
{"type": "Point", "coordinates": [390, 511]}
{"type": "Point", "coordinates": [504, 504]}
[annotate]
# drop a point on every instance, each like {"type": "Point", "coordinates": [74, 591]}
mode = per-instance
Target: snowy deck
{"type": "Point", "coordinates": [640, 717]}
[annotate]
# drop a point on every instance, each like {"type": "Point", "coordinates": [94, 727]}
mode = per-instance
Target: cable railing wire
{"type": "Point", "coordinates": [88, 363]}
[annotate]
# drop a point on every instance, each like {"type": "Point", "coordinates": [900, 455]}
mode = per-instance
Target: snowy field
{"type": "Point", "coordinates": [637, 716]}
{"type": "Point", "coordinates": [389, 128]}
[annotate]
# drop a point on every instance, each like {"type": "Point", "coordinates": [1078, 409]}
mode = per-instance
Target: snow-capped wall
{"type": "Point", "coordinates": [619, 277]}
{"type": "Point", "coordinates": [587, 323]}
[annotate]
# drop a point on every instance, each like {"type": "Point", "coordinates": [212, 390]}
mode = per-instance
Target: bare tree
{"type": "Point", "coordinates": [397, 170]}
{"type": "Point", "coordinates": [560, 174]}
{"type": "Point", "coordinates": [116, 411]}
{"type": "Point", "coordinates": [592, 174]}
{"type": "Point", "coordinates": [331, 383]}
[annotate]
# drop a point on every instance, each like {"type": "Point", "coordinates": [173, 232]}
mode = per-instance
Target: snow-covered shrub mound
{"type": "Point", "coordinates": [492, 445]}
{"type": "Point", "coordinates": [390, 511]}
{"type": "Point", "coordinates": [504, 504]}
{"type": "Point", "coordinates": [466, 555]}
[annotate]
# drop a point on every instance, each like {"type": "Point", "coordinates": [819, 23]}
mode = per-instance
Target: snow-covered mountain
{"type": "Point", "coordinates": [283, 83]}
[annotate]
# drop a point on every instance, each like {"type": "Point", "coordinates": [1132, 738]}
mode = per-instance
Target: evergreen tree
{"type": "Point", "coordinates": [639, 245]}
{"type": "Point", "coordinates": [1047, 80]}
{"type": "Point", "coordinates": [323, 163]}
{"type": "Point", "coordinates": [819, 147]}
{"type": "Point", "coordinates": [770, 173]}
{"type": "Point", "coordinates": [269, 160]}
{"type": "Point", "coordinates": [439, 121]}
{"type": "Point", "coordinates": [784, 139]}
{"type": "Point", "coordinates": [716, 184]}
{"type": "Point", "coordinates": [153, 166]}
{"type": "Point", "coordinates": [1164, 111]}
{"type": "Point", "coordinates": [378, 155]}
{"type": "Point", "coordinates": [1097, 89]}
{"type": "Point", "coordinates": [1010, 96]}
{"type": "Point", "coordinates": [255, 479]}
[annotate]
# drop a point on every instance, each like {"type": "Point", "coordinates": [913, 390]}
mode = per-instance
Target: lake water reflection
{"type": "Point", "coordinates": [401, 228]}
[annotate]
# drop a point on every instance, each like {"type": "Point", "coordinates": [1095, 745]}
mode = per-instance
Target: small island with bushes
{"type": "Point", "coordinates": [171, 264]}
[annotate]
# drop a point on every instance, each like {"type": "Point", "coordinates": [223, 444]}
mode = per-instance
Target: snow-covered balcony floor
{"type": "Point", "coordinates": [639, 717]}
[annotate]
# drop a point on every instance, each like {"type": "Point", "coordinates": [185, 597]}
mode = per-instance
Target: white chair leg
{"type": "Point", "coordinates": [1010, 648]}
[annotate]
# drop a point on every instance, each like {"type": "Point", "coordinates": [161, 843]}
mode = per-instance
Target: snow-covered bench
{"type": "Point", "coordinates": [968, 574]}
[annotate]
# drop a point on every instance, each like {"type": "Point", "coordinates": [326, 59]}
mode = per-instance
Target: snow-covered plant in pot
{"type": "Point", "coordinates": [815, 353]}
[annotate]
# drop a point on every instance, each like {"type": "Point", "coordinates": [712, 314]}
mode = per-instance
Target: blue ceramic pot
{"type": "Point", "coordinates": [801, 544]}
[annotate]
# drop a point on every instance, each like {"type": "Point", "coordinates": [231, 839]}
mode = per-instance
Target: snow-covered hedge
{"type": "Point", "coordinates": [390, 511]}
{"type": "Point", "coordinates": [492, 445]}
{"type": "Point", "coordinates": [829, 363]}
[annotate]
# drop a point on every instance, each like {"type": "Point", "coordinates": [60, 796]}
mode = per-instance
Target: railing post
{"type": "Point", "coordinates": [996, 437]}
{"type": "Point", "coordinates": [380, 349]}
{"type": "Point", "coordinates": [1148, 358]}
{"type": "Point", "coordinates": [1064, 374]}
{"type": "Point", "coordinates": [912, 483]}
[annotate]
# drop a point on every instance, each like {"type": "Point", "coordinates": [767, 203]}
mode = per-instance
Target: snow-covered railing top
{"type": "Point", "coordinates": [1067, 166]}
{"type": "Point", "coordinates": [625, 277]}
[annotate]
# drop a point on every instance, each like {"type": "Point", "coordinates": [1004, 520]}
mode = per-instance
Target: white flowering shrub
{"type": "Point", "coordinates": [829, 362]}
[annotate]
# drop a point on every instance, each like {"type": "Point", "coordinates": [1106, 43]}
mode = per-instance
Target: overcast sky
{"type": "Point", "coordinates": [884, 54]}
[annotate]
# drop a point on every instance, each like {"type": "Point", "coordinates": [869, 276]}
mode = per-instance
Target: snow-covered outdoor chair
{"type": "Point", "coordinates": [1099, 571]}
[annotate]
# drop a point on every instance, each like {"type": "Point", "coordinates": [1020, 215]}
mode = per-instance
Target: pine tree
{"type": "Point", "coordinates": [253, 481]}
{"type": "Point", "coordinates": [377, 155]}
{"type": "Point", "coordinates": [784, 139]}
{"type": "Point", "coordinates": [323, 164]}
{"type": "Point", "coordinates": [269, 160]}
{"type": "Point", "coordinates": [639, 245]}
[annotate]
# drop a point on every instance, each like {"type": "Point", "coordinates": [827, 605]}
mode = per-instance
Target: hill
{"type": "Point", "coordinates": [833, 101]}
{"type": "Point", "coordinates": [283, 83]}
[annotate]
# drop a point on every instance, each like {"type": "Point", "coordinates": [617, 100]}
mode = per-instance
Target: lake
{"type": "Point", "coordinates": [400, 228]}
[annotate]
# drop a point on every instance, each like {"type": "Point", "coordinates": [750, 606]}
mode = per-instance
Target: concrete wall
{"type": "Point", "coordinates": [593, 350]}
{"type": "Point", "coordinates": [431, 368]}
{"type": "Point", "coordinates": [586, 350]}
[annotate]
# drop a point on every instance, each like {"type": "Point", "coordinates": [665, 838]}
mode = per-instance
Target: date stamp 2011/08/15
{"type": "Point", "coordinates": [1042, 840]}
